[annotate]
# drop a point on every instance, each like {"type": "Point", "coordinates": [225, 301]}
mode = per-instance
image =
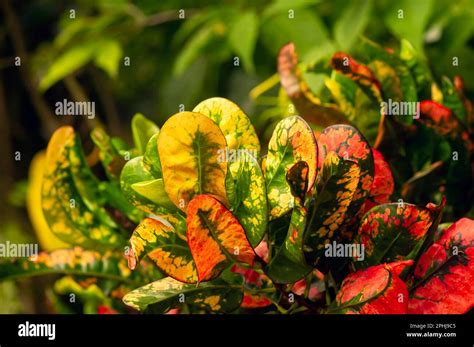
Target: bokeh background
{"type": "Point", "coordinates": [143, 56]}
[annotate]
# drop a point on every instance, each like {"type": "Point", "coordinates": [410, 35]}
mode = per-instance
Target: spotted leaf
{"type": "Point", "coordinates": [390, 232]}
{"type": "Point", "coordinates": [165, 247]}
{"type": "Point", "coordinates": [445, 273]}
{"type": "Point", "coordinates": [71, 202]}
{"type": "Point", "coordinates": [215, 237]}
{"type": "Point", "coordinates": [167, 293]}
{"type": "Point", "coordinates": [349, 144]}
{"type": "Point", "coordinates": [239, 132]}
{"type": "Point", "coordinates": [308, 105]}
{"type": "Point", "coordinates": [337, 187]}
{"type": "Point", "coordinates": [189, 146]}
{"type": "Point", "coordinates": [292, 141]}
{"type": "Point", "coordinates": [288, 264]}
{"type": "Point", "coordinates": [74, 261]}
{"type": "Point", "coordinates": [249, 204]}
{"type": "Point", "coordinates": [375, 290]}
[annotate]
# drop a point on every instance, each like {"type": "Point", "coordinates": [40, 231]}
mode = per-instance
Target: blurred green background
{"type": "Point", "coordinates": [152, 56]}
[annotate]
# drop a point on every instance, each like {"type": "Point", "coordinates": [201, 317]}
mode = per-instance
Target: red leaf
{"type": "Point", "coordinates": [445, 273]}
{"type": "Point", "coordinates": [375, 290]}
{"type": "Point", "coordinates": [383, 184]}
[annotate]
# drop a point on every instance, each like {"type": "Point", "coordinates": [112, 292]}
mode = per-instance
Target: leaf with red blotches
{"type": "Point", "coordinates": [375, 290]}
{"type": "Point", "coordinates": [308, 105]}
{"type": "Point", "coordinates": [215, 236]}
{"type": "Point", "coordinates": [390, 232]}
{"type": "Point", "coordinates": [445, 273]}
{"type": "Point", "coordinates": [438, 117]}
{"type": "Point", "coordinates": [347, 142]}
{"type": "Point", "coordinates": [361, 74]}
{"type": "Point", "coordinates": [383, 183]}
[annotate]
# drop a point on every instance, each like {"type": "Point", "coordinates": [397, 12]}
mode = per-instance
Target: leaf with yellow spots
{"type": "Point", "coordinates": [337, 187]}
{"type": "Point", "coordinates": [189, 146]}
{"type": "Point", "coordinates": [239, 132]}
{"type": "Point", "coordinates": [390, 232]}
{"type": "Point", "coordinates": [109, 156]}
{"type": "Point", "coordinates": [71, 202]}
{"type": "Point", "coordinates": [308, 105]}
{"type": "Point", "coordinates": [74, 261]}
{"type": "Point", "coordinates": [164, 247]}
{"type": "Point", "coordinates": [348, 143]}
{"type": "Point", "coordinates": [167, 293]}
{"type": "Point", "coordinates": [289, 265]}
{"type": "Point", "coordinates": [249, 199]}
{"type": "Point", "coordinates": [292, 141]}
{"type": "Point", "coordinates": [215, 237]}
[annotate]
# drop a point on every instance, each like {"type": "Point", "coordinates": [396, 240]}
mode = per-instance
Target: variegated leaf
{"type": "Point", "coordinates": [338, 185]}
{"type": "Point", "coordinates": [189, 146]}
{"type": "Point", "coordinates": [215, 237]}
{"type": "Point", "coordinates": [292, 141]}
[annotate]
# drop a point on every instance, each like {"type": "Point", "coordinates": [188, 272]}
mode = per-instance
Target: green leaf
{"type": "Point", "coordinates": [351, 23]}
{"type": "Point", "coordinates": [142, 129]}
{"type": "Point", "coordinates": [411, 23]}
{"type": "Point", "coordinates": [108, 57]}
{"type": "Point", "coordinates": [165, 294]}
{"type": "Point", "coordinates": [135, 172]}
{"type": "Point", "coordinates": [154, 190]}
{"type": "Point", "coordinates": [452, 100]}
{"type": "Point", "coordinates": [283, 6]}
{"type": "Point", "coordinates": [194, 47]}
{"type": "Point", "coordinates": [151, 159]}
{"type": "Point", "coordinates": [280, 29]}
{"type": "Point", "coordinates": [67, 63]}
{"type": "Point", "coordinates": [243, 34]}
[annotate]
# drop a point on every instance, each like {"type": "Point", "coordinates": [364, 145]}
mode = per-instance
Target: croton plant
{"type": "Point", "coordinates": [197, 217]}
